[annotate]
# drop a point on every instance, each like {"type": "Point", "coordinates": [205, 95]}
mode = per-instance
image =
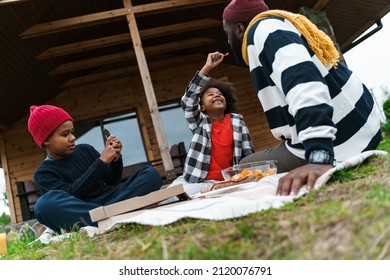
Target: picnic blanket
{"type": "Point", "coordinates": [248, 198]}
{"type": "Point", "coordinates": [252, 197]}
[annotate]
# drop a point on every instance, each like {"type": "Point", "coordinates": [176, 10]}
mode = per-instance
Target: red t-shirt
{"type": "Point", "coordinates": [221, 148]}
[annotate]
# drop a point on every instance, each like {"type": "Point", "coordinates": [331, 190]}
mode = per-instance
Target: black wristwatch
{"type": "Point", "coordinates": [321, 157]}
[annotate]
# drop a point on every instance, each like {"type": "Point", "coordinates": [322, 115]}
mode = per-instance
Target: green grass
{"type": "Point", "coordinates": [4, 219]}
{"type": "Point", "coordinates": [346, 219]}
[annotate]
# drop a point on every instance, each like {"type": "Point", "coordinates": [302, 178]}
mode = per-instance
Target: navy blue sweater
{"type": "Point", "coordinates": [82, 174]}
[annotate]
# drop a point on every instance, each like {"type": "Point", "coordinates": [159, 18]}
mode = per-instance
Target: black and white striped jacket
{"type": "Point", "coordinates": [310, 105]}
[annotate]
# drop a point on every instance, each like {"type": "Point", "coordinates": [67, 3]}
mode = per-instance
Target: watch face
{"type": "Point", "coordinates": [319, 156]}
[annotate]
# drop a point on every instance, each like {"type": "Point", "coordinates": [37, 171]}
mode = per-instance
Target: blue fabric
{"type": "Point", "coordinates": [75, 185]}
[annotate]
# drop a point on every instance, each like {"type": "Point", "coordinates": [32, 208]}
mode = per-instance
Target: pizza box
{"type": "Point", "coordinates": [136, 203]}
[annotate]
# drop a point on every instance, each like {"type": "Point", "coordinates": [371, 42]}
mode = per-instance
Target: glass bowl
{"type": "Point", "coordinates": [264, 168]}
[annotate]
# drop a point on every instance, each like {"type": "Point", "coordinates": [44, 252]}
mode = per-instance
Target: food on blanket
{"type": "Point", "coordinates": [226, 183]}
{"type": "Point", "coordinates": [255, 175]}
{"type": "Point", "coordinates": [244, 176]}
{"type": "Point", "coordinates": [259, 166]}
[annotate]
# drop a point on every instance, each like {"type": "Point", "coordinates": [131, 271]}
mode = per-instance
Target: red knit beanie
{"type": "Point", "coordinates": [243, 10]}
{"type": "Point", "coordinates": [44, 120]}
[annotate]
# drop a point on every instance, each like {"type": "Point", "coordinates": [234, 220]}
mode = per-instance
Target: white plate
{"type": "Point", "coordinates": [227, 190]}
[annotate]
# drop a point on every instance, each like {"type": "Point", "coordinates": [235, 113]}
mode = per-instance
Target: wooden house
{"type": "Point", "coordinates": [122, 62]}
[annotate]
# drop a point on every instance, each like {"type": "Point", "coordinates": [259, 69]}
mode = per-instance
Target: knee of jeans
{"type": "Point", "coordinates": [152, 172]}
{"type": "Point", "coordinates": [48, 201]}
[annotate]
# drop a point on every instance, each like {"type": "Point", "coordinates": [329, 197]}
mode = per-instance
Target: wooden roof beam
{"type": "Point", "coordinates": [320, 5]}
{"type": "Point", "coordinates": [107, 16]}
{"type": "Point", "coordinates": [73, 23]}
{"type": "Point", "coordinates": [129, 55]}
{"type": "Point", "coordinates": [3, 126]}
{"type": "Point", "coordinates": [5, 2]}
{"type": "Point", "coordinates": [102, 86]}
{"type": "Point", "coordinates": [100, 76]}
{"type": "Point", "coordinates": [126, 38]}
{"type": "Point", "coordinates": [117, 73]}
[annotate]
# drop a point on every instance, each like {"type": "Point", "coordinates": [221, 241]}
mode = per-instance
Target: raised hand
{"type": "Point", "coordinates": [213, 60]}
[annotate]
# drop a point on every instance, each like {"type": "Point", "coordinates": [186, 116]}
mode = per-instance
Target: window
{"type": "Point", "coordinates": [175, 125]}
{"type": "Point", "coordinates": [124, 127]}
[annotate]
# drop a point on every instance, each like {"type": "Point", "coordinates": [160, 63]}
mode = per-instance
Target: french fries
{"type": "Point", "coordinates": [244, 176]}
{"type": "Point", "coordinates": [257, 174]}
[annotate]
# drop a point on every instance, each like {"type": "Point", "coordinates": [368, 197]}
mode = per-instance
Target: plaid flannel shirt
{"type": "Point", "coordinates": [199, 155]}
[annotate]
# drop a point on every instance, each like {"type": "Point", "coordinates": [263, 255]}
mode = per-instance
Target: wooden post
{"type": "Point", "coordinates": [144, 133]}
{"type": "Point", "coordinates": [8, 187]}
{"type": "Point", "coordinates": [148, 87]}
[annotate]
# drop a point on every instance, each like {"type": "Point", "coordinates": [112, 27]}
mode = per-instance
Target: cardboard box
{"type": "Point", "coordinates": [108, 223]}
{"type": "Point", "coordinates": [147, 201]}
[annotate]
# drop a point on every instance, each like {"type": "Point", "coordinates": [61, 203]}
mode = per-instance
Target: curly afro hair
{"type": "Point", "coordinates": [228, 91]}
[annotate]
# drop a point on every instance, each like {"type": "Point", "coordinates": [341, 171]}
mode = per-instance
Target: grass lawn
{"type": "Point", "coordinates": [347, 219]}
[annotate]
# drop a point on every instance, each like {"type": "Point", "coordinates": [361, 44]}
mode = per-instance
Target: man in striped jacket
{"type": "Point", "coordinates": [317, 107]}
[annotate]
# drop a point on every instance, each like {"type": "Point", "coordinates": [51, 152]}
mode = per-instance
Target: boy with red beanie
{"type": "Point", "coordinates": [74, 178]}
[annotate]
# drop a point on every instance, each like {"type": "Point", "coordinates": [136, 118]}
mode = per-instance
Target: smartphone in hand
{"type": "Point", "coordinates": [106, 133]}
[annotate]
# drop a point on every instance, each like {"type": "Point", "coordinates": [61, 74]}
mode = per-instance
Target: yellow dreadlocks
{"type": "Point", "coordinates": [318, 41]}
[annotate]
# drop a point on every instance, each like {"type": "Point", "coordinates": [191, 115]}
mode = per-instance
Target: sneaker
{"type": "Point", "coordinates": [45, 238]}
{"type": "Point", "coordinates": [89, 230]}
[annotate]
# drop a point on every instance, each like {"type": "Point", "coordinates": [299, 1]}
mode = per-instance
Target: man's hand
{"type": "Point", "coordinates": [296, 178]}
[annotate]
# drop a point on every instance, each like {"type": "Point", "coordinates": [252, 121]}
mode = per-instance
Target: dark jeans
{"type": "Point", "coordinates": [57, 209]}
{"type": "Point", "coordinates": [286, 160]}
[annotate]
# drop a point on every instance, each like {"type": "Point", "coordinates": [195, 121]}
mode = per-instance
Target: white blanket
{"type": "Point", "coordinates": [250, 198]}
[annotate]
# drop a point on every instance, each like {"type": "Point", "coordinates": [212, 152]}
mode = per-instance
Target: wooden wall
{"type": "Point", "coordinates": [20, 156]}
